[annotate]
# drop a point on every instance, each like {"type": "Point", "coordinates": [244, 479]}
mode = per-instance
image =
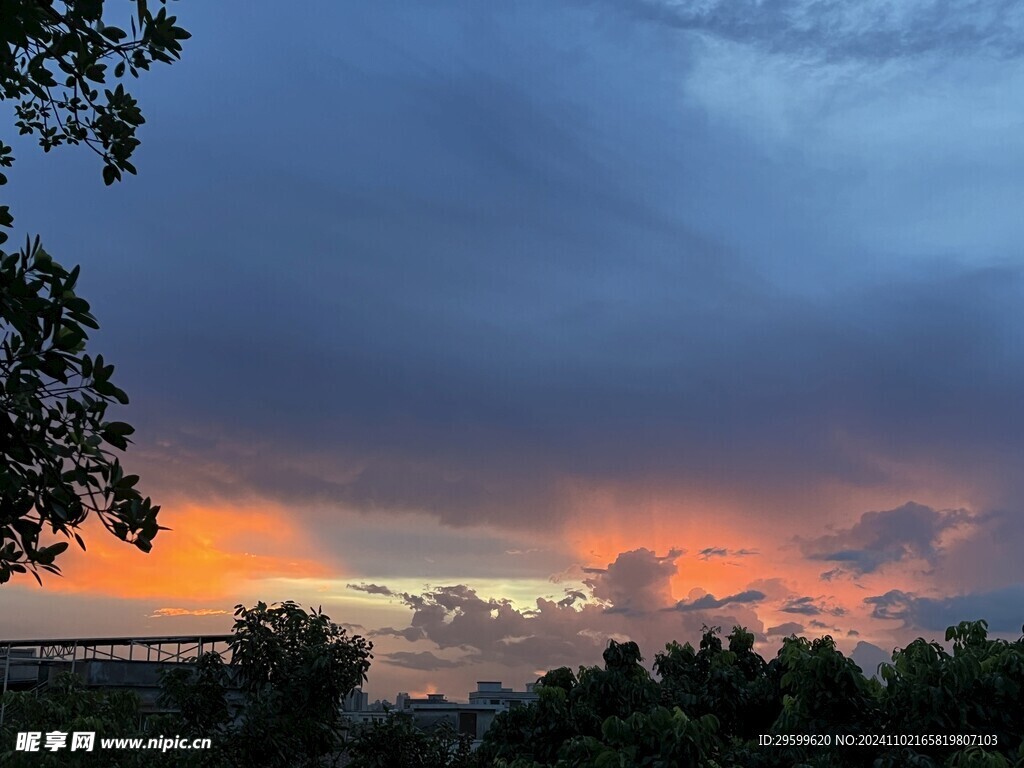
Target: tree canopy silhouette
{"type": "Point", "coordinates": [57, 464]}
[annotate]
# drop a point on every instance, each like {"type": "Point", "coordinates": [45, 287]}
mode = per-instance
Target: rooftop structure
{"type": "Point", "coordinates": [126, 663]}
{"type": "Point", "coordinates": [491, 692]}
{"type": "Point", "coordinates": [471, 719]}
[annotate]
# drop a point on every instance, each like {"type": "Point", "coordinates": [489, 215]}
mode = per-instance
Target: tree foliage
{"type": "Point", "coordinates": [56, 459]}
{"type": "Point", "coordinates": [68, 706]}
{"type": "Point", "coordinates": [711, 705]}
{"type": "Point", "coordinates": [730, 684]}
{"type": "Point", "coordinates": [295, 668]}
{"type": "Point", "coordinates": [198, 700]}
{"type": "Point", "coordinates": [55, 58]}
{"type": "Point", "coordinates": [397, 743]}
{"type": "Point", "coordinates": [979, 688]}
{"type": "Point", "coordinates": [267, 709]}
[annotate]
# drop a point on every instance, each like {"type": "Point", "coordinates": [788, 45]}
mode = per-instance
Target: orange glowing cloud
{"type": "Point", "coordinates": [609, 523]}
{"type": "Point", "coordinates": [209, 553]}
{"type": "Point", "coordinates": [731, 545]}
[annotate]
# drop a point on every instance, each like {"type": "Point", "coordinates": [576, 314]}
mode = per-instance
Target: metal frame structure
{"type": "Point", "coordinates": [175, 649]}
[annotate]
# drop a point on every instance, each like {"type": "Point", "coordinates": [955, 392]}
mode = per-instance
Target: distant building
{"type": "Point", "coordinates": [356, 701]}
{"type": "Point", "coordinates": [366, 716]}
{"type": "Point", "coordinates": [428, 713]}
{"type": "Point", "coordinates": [471, 719]}
{"type": "Point", "coordinates": [404, 701]}
{"type": "Point", "coordinates": [490, 692]}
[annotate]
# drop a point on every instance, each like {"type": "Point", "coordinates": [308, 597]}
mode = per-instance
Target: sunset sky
{"type": "Point", "coordinates": [499, 330]}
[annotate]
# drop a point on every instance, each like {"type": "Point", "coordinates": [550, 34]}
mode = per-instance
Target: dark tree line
{"type": "Point", "coordinates": [279, 704]}
{"type": "Point", "coordinates": [714, 705]}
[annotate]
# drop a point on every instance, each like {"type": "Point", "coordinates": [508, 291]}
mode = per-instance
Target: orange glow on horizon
{"type": "Point", "coordinates": [429, 690]}
{"type": "Point", "coordinates": [209, 553]}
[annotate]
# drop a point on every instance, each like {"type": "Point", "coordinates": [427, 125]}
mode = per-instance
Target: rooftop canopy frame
{"type": "Point", "coordinates": [172, 649]}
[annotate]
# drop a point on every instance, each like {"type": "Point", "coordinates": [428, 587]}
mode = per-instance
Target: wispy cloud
{"type": "Point", "coordinates": [710, 601]}
{"type": "Point", "coordinates": [810, 606]}
{"type": "Point", "coordinates": [164, 612]}
{"type": "Point", "coordinates": [709, 553]}
{"type": "Point", "coordinates": [371, 589]}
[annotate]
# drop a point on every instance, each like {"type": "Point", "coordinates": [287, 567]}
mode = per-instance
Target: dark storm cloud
{"type": "Point", "coordinates": [1001, 608]}
{"type": "Point", "coordinates": [880, 538]}
{"type": "Point", "coordinates": [472, 250]}
{"type": "Point", "coordinates": [467, 445]}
